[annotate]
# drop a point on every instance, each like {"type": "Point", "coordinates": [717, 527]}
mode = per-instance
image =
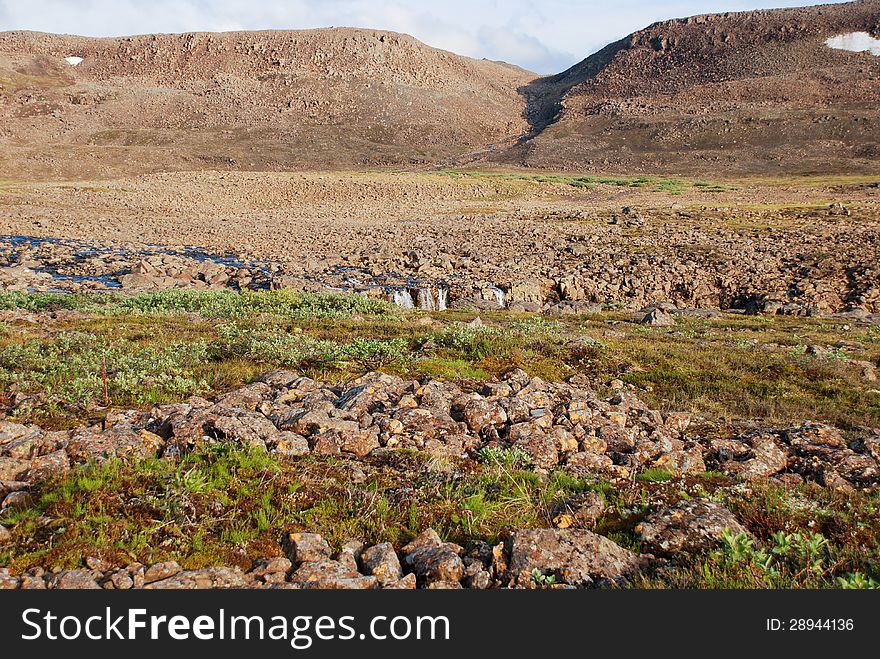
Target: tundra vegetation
{"type": "Point", "coordinates": [223, 504]}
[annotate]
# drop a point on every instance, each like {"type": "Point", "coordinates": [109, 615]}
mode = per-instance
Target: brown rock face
{"type": "Point", "coordinates": [249, 100]}
{"type": "Point", "coordinates": [738, 91]}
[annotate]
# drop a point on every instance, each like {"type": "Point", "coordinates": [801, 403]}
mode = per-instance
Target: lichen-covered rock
{"type": "Point", "coordinates": [532, 438]}
{"type": "Point", "coordinates": [576, 557]}
{"type": "Point", "coordinates": [120, 441]}
{"type": "Point", "coordinates": [289, 445]}
{"type": "Point", "coordinates": [305, 548]}
{"type": "Point", "coordinates": [248, 397]}
{"type": "Point", "coordinates": [479, 413]}
{"type": "Point", "coordinates": [437, 564]}
{"type": "Point", "coordinates": [331, 575]}
{"type": "Point", "coordinates": [161, 571]}
{"type": "Point", "coordinates": [750, 457]}
{"type": "Point", "coordinates": [580, 511]}
{"type": "Point", "coordinates": [74, 580]}
{"type": "Point", "coordinates": [381, 561]}
{"type": "Point", "coordinates": [688, 526]}
{"type": "Point", "coordinates": [14, 469]}
{"type": "Point", "coordinates": [8, 582]}
{"type": "Point", "coordinates": [48, 466]}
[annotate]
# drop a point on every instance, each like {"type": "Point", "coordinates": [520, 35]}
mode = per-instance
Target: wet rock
{"type": "Point", "coordinates": [576, 557]}
{"type": "Point", "coordinates": [688, 526]}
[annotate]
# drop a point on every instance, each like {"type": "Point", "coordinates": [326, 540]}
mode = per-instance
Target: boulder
{"type": "Point", "coordinates": [576, 557]}
{"type": "Point", "coordinates": [305, 548]}
{"type": "Point", "coordinates": [688, 526]}
{"type": "Point", "coordinates": [381, 562]}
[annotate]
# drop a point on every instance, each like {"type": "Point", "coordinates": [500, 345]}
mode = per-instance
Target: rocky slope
{"type": "Point", "coordinates": [259, 100]}
{"type": "Point", "coordinates": [751, 92]}
{"type": "Point", "coordinates": [739, 92]}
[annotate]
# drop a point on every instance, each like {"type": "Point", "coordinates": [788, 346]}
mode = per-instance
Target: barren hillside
{"type": "Point", "coordinates": [742, 92]}
{"type": "Point", "coordinates": [258, 100]}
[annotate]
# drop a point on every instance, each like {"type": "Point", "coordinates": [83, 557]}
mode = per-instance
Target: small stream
{"type": "Point", "coordinates": [100, 266]}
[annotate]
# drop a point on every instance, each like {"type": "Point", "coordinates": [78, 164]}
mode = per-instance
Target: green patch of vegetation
{"type": "Point", "coordinates": [800, 537]}
{"type": "Point", "coordinates": [655, 476]}
{"type": "Point", "coordinates": [507, 457]}
{"type": "Point", "coordinates": [657, 184]}
{"type": "Point", "coordinates": [209, 304]}
{"type": "Point", "coordinates": [164, 347]}
{"type": "Point", "coordinates": [69, 368]}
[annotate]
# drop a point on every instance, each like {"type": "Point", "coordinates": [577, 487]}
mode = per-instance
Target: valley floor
{"type": "Point", "coordinates": [439, 379]}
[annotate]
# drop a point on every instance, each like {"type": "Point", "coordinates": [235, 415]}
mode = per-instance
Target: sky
{"type": "Point", "coordinates": [544, 36]}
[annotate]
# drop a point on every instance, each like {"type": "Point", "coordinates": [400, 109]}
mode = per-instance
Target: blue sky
{"type": "Point", "coordinates": [545, 36]}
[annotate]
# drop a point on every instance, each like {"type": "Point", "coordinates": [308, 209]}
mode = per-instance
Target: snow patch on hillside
{"type": "Point", "coordinates": [856, 42]}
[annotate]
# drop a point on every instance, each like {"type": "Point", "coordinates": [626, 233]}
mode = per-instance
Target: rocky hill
{"type": "Point", "coordinates": [257, 100]}
{"type": "Point", "coordinates": [739, 93]}
{"type": "Point", "coordinates": [747, 92]}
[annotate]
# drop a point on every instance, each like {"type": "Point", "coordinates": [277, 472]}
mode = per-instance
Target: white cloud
{"type": "Point", "coordinates": [542, 35]}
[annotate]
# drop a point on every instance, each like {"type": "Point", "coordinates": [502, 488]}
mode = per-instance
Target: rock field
{"type": "Point", "coordinates": [556, 425]}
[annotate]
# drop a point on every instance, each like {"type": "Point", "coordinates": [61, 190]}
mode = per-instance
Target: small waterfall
{"type": "Point", "coordinates": [402, 298]}
{"type": "Point", "coordinates": [500, 296]}
{"type": "Point", "coordinates": [442, 298]}
{"type": "Point", "coordinates": [426, 300]}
